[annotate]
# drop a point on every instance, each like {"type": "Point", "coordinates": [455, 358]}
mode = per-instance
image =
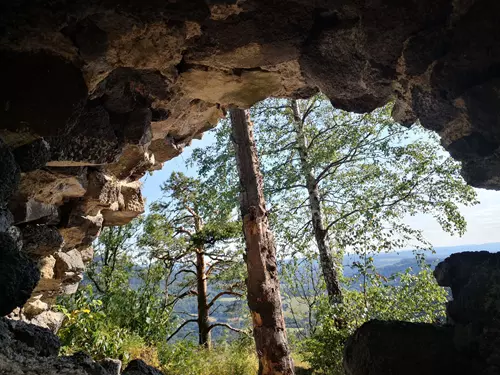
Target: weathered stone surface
{"type": "Point", "coordinates": [474, 278]}
{"type": "Point", "coordinates": [44, 342]}
{"type": "Point", "coordinates": [392, 347]}
{"type": "Point", "coordinates": [35, 306]}
{"type": "Point", "coordinates": [112, 366]}
{"type": "Point", "coordinates": [49, 319]}
{"type": "Point", "coordinates": [52, 187]}
{"type": "Point", "coordinates": [46, 266]}
{"type": "Point", "coordinates": [68, 265]}
{"type": "Point", "coordinates": [9, 173]}
{"type": "Point", "coordinates": [139, 367]}
{"type": "Point", "coordinates": [131, 204]}
{"type": "Point", "coordinates": [17, 360]}
{"type": "Point", "coordinates": [103, 191]}
{"type": "Point", "coordinates": [92, 141]}
{"type": "Point", "coordinates": [33, 155]}
{"type": "Point", "coordinates": [117, 72]}
{"type": "Point", "coordinates": [6, 219]}
{"type": "Point", "coordinates": [87, 254]}
{"type": "Point", "coordinates": [33, 211]}
{"type": "Point", "coordinates": [56, 91]}
{"type": "Point", "coordinates": [26, 349]}
{"type": "Point", "coordinates": [81, 227]}
{"type": "Point", "coordinates": [134, 162]}
{"type": "Point", "coordinates": [41, 240]}
{"type": "Point", "coordinates": [18, 275]}
{"type": "Point", "coordinates": [242, 90]}
{"type": "Point", "coordinates": [16, 235]}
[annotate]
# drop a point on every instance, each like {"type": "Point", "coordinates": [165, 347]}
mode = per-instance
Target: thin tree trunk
{"type": "Point", "coordinates": [203, 314]}
{"type": "Point", "coordinates": [320, 234]}
{"type": "Point", "coordinates": [263, 287]}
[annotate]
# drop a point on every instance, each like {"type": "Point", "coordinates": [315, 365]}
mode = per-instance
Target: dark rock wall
{"type": "Point", "coordinates": [469, 344]}
{"type": "Point", "coordinates": [96, 93]}
{"type": "Point", "coordinates": [26, 349]}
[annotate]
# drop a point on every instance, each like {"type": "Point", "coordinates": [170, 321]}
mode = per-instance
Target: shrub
{"type": "Point", "coordinates": [407, 296]}
{"type": "Point", "coordinates": [88, 329]}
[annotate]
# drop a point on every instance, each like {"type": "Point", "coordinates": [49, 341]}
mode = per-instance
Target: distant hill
{"type": "Point", "coordinates": [389, 263]}
{"type": "Point", "coordinates": [234, 312]}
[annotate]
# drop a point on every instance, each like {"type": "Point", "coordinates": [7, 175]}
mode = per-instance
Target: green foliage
{"type": "Point", "coordinates": [110, 317]}
{"type": "Point", "coordinates": [234, 358]}
{"type": "Point", "coordinates": [87, 328]}
{"type": "Point", "coordinates": [371, 174]}
{"type": "Point", "coordinates": [214, 232]}
{"type": "Point", "coordinates": [113, 261]}
{"type": "Point", "coordinates": [409, 296]}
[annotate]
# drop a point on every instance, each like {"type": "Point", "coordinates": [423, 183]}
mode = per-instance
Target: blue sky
{"type": "Point", "coordinates": [483, 225]}
{"type": "Point", "coordinates": [151, 183]}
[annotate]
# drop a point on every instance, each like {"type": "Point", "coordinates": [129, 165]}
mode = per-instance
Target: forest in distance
{"type": "Point", "coordinates": [323, 194]}
{"type": "Point", "coordinates": [230, 310]}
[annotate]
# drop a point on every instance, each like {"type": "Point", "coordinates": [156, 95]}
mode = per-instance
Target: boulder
{"type": "Point", "coordinates": [112, 366]}
{"type": "Point", "coordinates": [34, 307]}
{"type": "Point", "coordinates": [43, 341]}
{"type": "Point", "coordinates": [139, 367]}
{"type": "Point", "coordinates": [49, 319]}
{"type": "Point", "coordinates": [391, 347]}
{"type": "Point", "coordinates": [474, 278]}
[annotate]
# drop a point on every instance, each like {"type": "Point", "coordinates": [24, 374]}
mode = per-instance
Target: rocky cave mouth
{"type": "Point", "coordinates": [95, 94]}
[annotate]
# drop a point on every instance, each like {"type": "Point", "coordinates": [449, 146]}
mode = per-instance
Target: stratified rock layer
{"type": "Point", "coordinates": [96, 93]}
{"type": "Point", "coordinates": [470, 344]}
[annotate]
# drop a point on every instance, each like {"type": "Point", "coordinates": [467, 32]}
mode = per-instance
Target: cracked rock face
{"type": "Point", "coordinates": [95, 94]}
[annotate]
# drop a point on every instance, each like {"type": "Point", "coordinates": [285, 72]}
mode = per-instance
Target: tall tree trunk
{"type": "Point", "coordinates": [263, 287]}
{"type": "Point", "coordinates": [201, 288]}
{"type": "Point", "coordinates": [203, 314]}
{"type": "Point", "coordinates": [320, 233]}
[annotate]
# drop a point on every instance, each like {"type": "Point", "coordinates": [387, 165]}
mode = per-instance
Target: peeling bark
{"type": "Point", "coordinates": [320, 233]}
{"type": "Point", "coordinates": [203, 313]}
{"type": "Point", "coordinates": [263, 287]}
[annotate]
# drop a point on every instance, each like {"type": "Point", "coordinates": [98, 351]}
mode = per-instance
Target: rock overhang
{"type": "Point", "coordinates": [97, 93]}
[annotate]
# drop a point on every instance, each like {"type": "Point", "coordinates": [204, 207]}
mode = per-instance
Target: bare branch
{"type": "Point", "coordinates": [184, 271]}
{"type": "Point", "coordinates": [191, 292]}
{"type": "Point", "coordinates": [224, 293]}
{"type": "Point", "coordinates": [180, 327]}
{"type": "Point", "coordinates": [228, 327]}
